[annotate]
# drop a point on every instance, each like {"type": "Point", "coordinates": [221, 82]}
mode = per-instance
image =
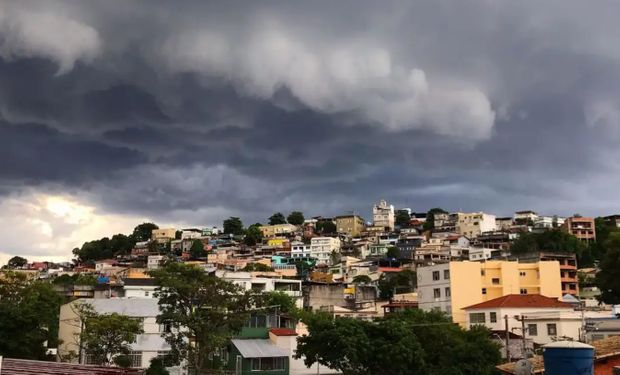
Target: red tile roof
{"type": "Point", "coordinates": [283, 331]}
{"type": "Point", "coordinates": [520, 301]}
{"type": "Point", "coordinates": [12, 366]}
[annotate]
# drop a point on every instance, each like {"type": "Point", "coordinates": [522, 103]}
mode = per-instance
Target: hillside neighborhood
{"type": "Point", "coordinates": [529, 280]}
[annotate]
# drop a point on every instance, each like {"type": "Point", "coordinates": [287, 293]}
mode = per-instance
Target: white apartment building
{"type": "Point", "coordinates": [154, 261]}
{"type": "Point", "coordinates": [321, 248]}
{"type": "Point", "coordinates": [473, 223]}
{"type": "Point", "coordinates": [383, 215]}
{"type": "Point", "coordinates": [245, 280]}
{"type": "Point", "coordinates": [148, 345]}
{"type": "Point", "coordinates": [546, 319]}
{"type": "Point", "coordinates": [549, 222]}
{"type": "Point", "coordinates": [525, 216]}
{"type": "Point", "coordinates": [300, 250]}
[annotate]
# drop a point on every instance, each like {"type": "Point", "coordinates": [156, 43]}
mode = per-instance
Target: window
{"type": "Point", "coordinates": [165, 327]}
{"type": "Point", "coordinates": [446, 274]}
{"type": "Point", "coordinates": [522, 273]}
{"type": "Point", "coordinates": [447, 292]}
{"type": "Point", "coordinates": [484, 290]}
{"type": "Point", "coordinates": [435, 275]}
{"type": "Point", "coordinates": [482, 273]}
{"type": "Point", "coordinates": [495, 281]}
{"type": "Point", "coordinates": [493, 317]}
{"type": "Point", "coordinates": [552, 330]}
{"type": "Point", "coordinates": [523, 291]}
{"type": "Point", "coordinates": [136, 359]}
{"type": "Point", "coordinates": [437, 293]}
{"type": "Point", "coordinates": [532, 329]}
{"type": "Point", "coordinates": [146, 293]}
{"type": "Point", "coordinates": [477, 318]}
{"type": "Point", "coordinates": [268, 364]}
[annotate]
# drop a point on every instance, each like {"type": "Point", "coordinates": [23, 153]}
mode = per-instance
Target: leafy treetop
{"type": "Point", "coordinates": [276, 219]}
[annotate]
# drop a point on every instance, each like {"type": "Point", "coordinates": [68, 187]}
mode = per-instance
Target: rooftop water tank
{"type": "Point", "coordinates": [568, 358]}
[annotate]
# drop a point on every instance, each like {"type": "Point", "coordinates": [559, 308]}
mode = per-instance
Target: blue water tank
{"type": "Point", "coordinates": [568, 358]}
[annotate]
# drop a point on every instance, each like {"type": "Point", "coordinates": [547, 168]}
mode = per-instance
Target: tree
{"type": "Point", "coordinates": [325, 226]}
{"type": "Point", "coordinates": [296, 218]}
{"type": "Point", "coordinates": [143, 232]}
{"type": "Point", "coordinates": [257, 267]}
{"type": "Point", "coordinates": [404, 281]}
{"type": "Point", "coordinates": [28, 317]}
{"type": "Point", "coordinates": [284, 302]}
{"type": "Point", "coordinates": [402, 218]}
{"type": "Point", "coordinates": [392, 252]}
{"type": "Point", "coordinates": [412, 342]}
{"type": "Point", "coordinates": [157, 367]}
{"type": "Point", "coordinates": [253, 235]}
{"type": "Point", "coordinates": [362, 279]}
{"type": "Point", "coordinates": [429, 224]}
{"type": "Point", "coordinates": [199, 307]}
{"type": "Point", "coordinates": [233, 225]}
{"type": "Point", "coordinates": [108, 336]}
{"type": "Point", "coordinates": [177, 236]}
{"type": "Point", "coordinates": [554, 240]}
{"type": "Point", "coordinates": [17, 262]}
{"type": "Point", "coordinates": [197, 250]}
{"type": "Point", "coordinates": [608, 278]}
{"type": "Point", "coordinates": [276, 219]}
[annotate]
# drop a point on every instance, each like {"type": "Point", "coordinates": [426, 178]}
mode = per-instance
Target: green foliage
{"type": "Point", "coordinates": [404, 281]}
{"type": "Point", "coordinates": [233, 225]}
{"type": "Point", "coordinates": [105, 248]}
{"type": "Point", "coordinates": [326, 227]}
{"type": "Point", "coordinates": [429, 224]}
{"type": "Point", "coordinates": [608, 278]}
{"type": "Point", "coordinates": [276, 219]}
{"type": "Point", "coordinates": [143, 232]}
{"type": "Point", "coordinates": [17, 262]}
{"type": "Point", "coordinates": [106, 337]}
{"type": "Point", "coordinates": [28, 317]}
{"type": "Point", "coordinates": [285, 303]}
{"type": "Point", "coordinates": [203, 307]}
{"type": "Point", "coordinates": [253, 235]}
{"type": "Point", "coordinates": [197, 250]}
{"type": "Point", "coordinates": [157, 367]}
{"type": "Point", "coordinates": [402, 218]}
{"type": "Point", "coordinates": [554, 240]}
{"type": "Point", "coordinates": [412, 342]}
{"type": "Point", "coordinates": [257, 267]}
{"type": "Point", "coordinates": [75, 279]}
{"type": "Point", "coordinates": [295, 218]}
{"type": "Point", "coordinates": [362, 279]}
{"type": "Point", "coordinates": [178, 234]}
{"type": "Point", "coordinates": [392, 252]}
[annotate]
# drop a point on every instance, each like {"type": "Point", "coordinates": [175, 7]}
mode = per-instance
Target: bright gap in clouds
{"type": "Point", "coordinates": [40, 226]}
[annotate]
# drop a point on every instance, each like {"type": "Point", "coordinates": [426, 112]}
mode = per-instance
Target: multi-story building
{"type": "Point", "coordinates": [300, 250]}
{"type": "Point", "coordinates": [163, 234]}
{"type": "Point", "coordinates": [503, 223]}
{"type": "Point", "coordinates": [148, 345]}
{"type": "Point", "coordinates": [568, 268]}
{"type": "Point", "coordinates": [248, 281]}
{"type": "Point", "coordinates": [474, 223]}
{"type": "Point", "coordinates": [444, 222]}
{"type": "Point", "coordinates": [548, 222]}
{"type": "Point", "coordinates": [612, 220]}
{"type": "Point", "coordinates": [580, 227]}
{"type": "Point", "coordinates": [526, 217]}
{"type": "Point", "coordinates": [450, 287]}
{"type": "Point", "coordinates": [351, 225]}
{"type": "Point", "coordinates": [270, 231]}
{"type": "Point", "coordinates": [322, 248]}
{"type": "Point", "coordinates": [383, 215]}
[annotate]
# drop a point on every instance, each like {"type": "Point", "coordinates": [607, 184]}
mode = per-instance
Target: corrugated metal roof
{"type": "Point", "coordinates": [258, 348]}
{"type": "Point", "coordinates": [12, 366]}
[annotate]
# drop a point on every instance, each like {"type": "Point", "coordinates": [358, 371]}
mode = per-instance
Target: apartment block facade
{"type": "Point", "coordinates": [383, 215]}
{"type": "Point", "coordinates": [449, 287]}
{"type": "Point", "coordinates": [473, 223]}
{"type": "Point", "coordinates": [352, 225]}
{"type": "Point", "coordinates": [321, 248]}
{"type": "Point", "coordinates": [580, 227]}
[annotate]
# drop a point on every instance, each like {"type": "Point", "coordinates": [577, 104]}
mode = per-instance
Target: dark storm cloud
{"type": "Point", "coordinates": [192, 112]}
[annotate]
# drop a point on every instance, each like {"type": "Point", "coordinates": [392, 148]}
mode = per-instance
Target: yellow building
{"type": "Point", "coordinates": [269, 231]}
{"type": "Point", "coordinates": [277, 242]}
{"type": "Point", "coordinates": [352, 225]}
{"type": "Point", "coordinates": [163, 234]}
{"type": "Point", "coordinates": [451, 286]}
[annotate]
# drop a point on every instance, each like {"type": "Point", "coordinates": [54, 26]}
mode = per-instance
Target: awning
{"type": "Point", "coordinates": [258, 348]}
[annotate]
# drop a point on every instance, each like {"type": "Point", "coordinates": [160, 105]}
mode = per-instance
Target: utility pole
{"type": "Point", "coordinates": [523, 336]}
{"type": "Point", "coordinates": [507, 338]}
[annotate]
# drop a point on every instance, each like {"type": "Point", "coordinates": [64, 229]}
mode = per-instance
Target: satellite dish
{"type": "Point", "coordinates": [524, 367]}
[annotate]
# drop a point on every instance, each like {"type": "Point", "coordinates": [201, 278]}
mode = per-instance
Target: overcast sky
{"type": "Point", "coordinates": [185, 113]}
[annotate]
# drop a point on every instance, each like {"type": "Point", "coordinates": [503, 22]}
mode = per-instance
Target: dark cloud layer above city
{"type": "Point", "coordinates": [188, 112]}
